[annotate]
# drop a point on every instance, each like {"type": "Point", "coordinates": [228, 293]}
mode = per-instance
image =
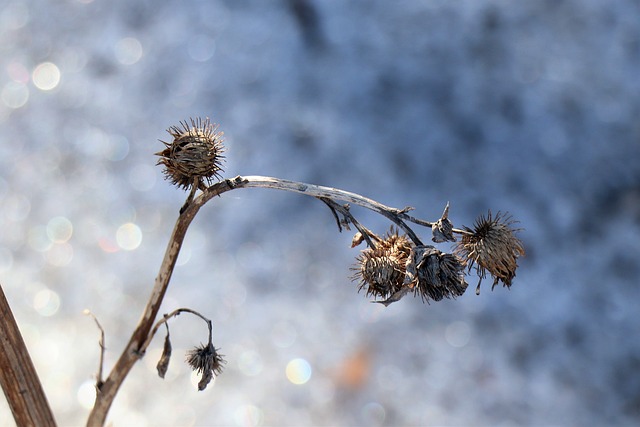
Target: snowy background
{"type": "Point", "coordinates": [526, 107]}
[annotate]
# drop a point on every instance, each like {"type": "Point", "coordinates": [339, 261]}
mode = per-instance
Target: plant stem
{"type": "Point", "coordinates": [106, 392]}
{"type": "Point", "coordinates": [18, 376]}
{"type": "Point", "coordinates": [319, 191]}
{"type": "Point", "coordinates": [140, 338]}
{"type": "Point", "coordinates": [166, 318]}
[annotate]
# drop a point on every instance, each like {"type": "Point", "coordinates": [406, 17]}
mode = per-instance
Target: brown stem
{"type": "Point", "coordinates": [106, 392]}
{"type": "Point", "coordinates": [18, 376]}
{"type": "Point", "coordinates": [319, 191]}
{"type": "Point", "coordinates": [166, 318]}
{"type": "Point", "coordinates": [134, 350]}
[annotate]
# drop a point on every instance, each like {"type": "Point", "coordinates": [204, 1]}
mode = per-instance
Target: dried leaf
{"type": "Point", "coordinates": [397, 296]}
{"type": "Point", "coordinates": [163, 363]}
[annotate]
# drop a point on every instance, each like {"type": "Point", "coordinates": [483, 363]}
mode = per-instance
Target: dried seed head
{"type": "Point", "coordinates": [435, 275]}
{"type": "Point", "coordinates": [163, 363]}
{"type": "Point", "coordinates": [194, 155]}
{"type": "Point", "coordinates": [381, 270]}
{"type": "Point", "coordinates": [493, 247]}
{"type": "Point", "coordinates": [205, 360]}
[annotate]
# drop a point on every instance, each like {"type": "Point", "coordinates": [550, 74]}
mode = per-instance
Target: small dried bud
{"type": "Point", "coordinates": [493, 247]}
{"type": "Point", "coordinates": [442, 229]}
{"type": "Point", "coordinates": [163, 363]}
{"type": "Point", "coordinates": [205, 360]}
{"type": "Point", "coordinates": [194, 155]}
{"type": "Point", "coordinates": [381, 270]}
{"type": "Point", "coordinates": [357, 239]}
{"type": "Point", "coordinates": [435, 275]}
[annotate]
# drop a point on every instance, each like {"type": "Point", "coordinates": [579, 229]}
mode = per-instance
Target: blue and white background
{"type": "Point", "coordinates": [526, 107]}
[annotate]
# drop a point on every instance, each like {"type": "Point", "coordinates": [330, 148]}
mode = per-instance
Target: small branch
{"type": "Point", "coordinates": [344, 210]}
{"type": "Point", "coordinates": [140, 337]}
{"type": "Point", "coordinates": [330, 203]}
{"type": "Point", "coordinates": [18, 376]}
{"type": "Point", "coordinates": [398, 216]}
{"type": "Point", "coordinates": [102, 348]}
{"type": "Point", "coordinates": [166, 318]}
{"type": "Point", "coordinates": [132, 352]}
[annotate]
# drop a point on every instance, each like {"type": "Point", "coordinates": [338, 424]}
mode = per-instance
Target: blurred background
{"type": "Point", "coordinates": [531, 108]}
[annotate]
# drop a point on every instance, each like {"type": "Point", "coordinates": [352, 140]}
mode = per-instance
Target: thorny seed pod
{"type": "Point", "coordinates": [493, 247]}
{"type": "Point", "coordinates": [194, 155]}
{"type": "Point", "coordinates": [435, 275]}
{"type": "Point", "coordinates": [205, 360]}
{"type": "Point", "coordinates": [381, 270]}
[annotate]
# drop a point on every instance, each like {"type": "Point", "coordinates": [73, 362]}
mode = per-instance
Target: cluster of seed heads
{"type": "Point", "coordinates": [394, 265]}
{"type": "Point", "coordinates": [390, 267]}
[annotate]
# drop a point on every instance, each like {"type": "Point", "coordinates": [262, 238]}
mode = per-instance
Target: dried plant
{"type": "Point", "coordinates": [195, 154]}
{"type": "Point", "coordinates": [381, 269]}
{"type": "Point", "coordinates": [493, 247]}
{"type": "Point", "coordinates": [389, 268]}
{"type": "Point", "coordinates": [206, 361]}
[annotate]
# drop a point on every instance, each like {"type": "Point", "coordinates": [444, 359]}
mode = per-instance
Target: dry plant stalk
{"type": "Point", "coordinates": [18, 376]}
{"type": "Point", "coordinates": [388, 269]}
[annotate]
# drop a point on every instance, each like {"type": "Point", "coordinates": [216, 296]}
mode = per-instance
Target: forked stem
{"type": "Point", "coordinates": [106, 391]}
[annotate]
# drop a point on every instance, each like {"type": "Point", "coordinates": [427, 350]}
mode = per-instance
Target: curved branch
{"type": "Point", "coordinates": [319, 191]}
{"type": "Point", "coordinates": [166, 318]}
{"type": "Point", "coordinates": [106, 391]}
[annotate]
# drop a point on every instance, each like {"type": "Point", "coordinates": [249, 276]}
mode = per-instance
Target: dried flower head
{"type": "Point", "coordinates": [492, 247]}
{"type": "Point", "coordinates": [194, 155]}
{"type": "Point", "coordinates": [381, 269]}
{"type": "Point", "coordinates": [435, 275]}
{"type": "Point", "coordinates": [205, 360]}
{"type": "Point", "coordinates": [163, 363]}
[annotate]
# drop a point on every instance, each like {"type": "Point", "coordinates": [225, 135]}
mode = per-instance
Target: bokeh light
{"type": "Point", "coordinates": [129, 236]}
{"type": "Point", "coordinates": [128, 50]}
{"type": "Point", "coordinates": [46, 76]}
{"type": "Point", "coordinates": [298, 371]}
{"type": "Point", "coordinates": [458, 333]}
{"type": "Point", "coordinates": [248, 415]}
{"type": "Point", "coordinates": [86, 394]}
{"type": "Point", "coordinates": [201, 48]}
{"type": "Point", "coordinates": [283, 334]}
{"type": "Point", "coordinates": [250, 363]}
{"type": "Point", "coordinates": [59, 254]}
{"type": "Point", "coordinates": [46, 302]}
{"type": "Point", "coordinates": [59, 229]}
{"type": "Point", "coordinates": [14, 95]}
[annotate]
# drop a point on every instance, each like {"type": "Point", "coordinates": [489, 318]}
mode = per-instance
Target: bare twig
{"type": "Point", "coordinates": [102, 347]}
{"type": "Point", "coordinates": [348, 218]}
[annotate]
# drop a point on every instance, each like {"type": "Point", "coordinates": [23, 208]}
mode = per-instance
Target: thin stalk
{"type": "Point", "coordinates": [166, 318]}
{"type": "Point", "coordinates": [106, 392]}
